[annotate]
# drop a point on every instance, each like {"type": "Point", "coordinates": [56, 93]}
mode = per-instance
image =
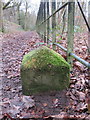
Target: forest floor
{"type": "Point", "coordinates": [68, 103]}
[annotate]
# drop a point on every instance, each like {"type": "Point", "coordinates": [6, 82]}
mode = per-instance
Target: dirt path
{"type": "Point", "coordinates": [14, 47]}
{"type": "Point", "coordinates": [14, 103]}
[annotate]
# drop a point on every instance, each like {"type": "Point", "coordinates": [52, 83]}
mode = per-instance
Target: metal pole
{"type": "Point", "coordinates": [54, 13]}
{"type": "Point", "coordinates": [75, 56]}
{"type": "Point", "coordinates": [83, 16]}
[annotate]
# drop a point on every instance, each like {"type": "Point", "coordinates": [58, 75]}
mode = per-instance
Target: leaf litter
{"type": "Point", "coordinates": [70, 103]}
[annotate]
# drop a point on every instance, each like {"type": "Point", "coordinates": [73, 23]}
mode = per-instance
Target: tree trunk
{"type": "Point", "coordinates": [89, 57]}
{"type": "Point", "coordinates": [5, 6]}
{"type": "Point", "coordinates": [45, 22]}
{"type": "Point", "coordinates": [71, 10]}
{"type": "Point", "coordinates": [48, 22]}
{"type": "Point", "coordinates": [89, 26]}
{"type": "Point", "coordinates": [25, 26]}
{"type": "Point", "coordinates": [18, 12]}
{"type": "Point", "coordinates": [54, 24]}
{"type": "Point", "coordinates": [1, 17]}
{"type": "Point", "coordinates": [64, 21]}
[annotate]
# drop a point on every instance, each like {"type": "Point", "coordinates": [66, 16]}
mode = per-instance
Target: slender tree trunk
{"type": "Point", "coordinates": [1, 17]}
{"type": "Point", "coordinates": [5, 6]}
{"type": "Point", "coordinates": [45, 22]}
{"type": "Point", "coordinates": [14, 15]}
{"type": "Point", "coordinates": [89, 26]}
{"type": "Point", "coordinates": [25, 26]}
{"type": "Point", "coordinates": [58, 5]}
{"type": "Point", "coordinates": [71, 10]}
{"type": "Point", "coordinates": [89, 57]}
{"type": "Point", "coordinates": [64, 21]}
{"type": "Point", "coordinates": [54, 24]}
{"type": "Point", "coordinates": [18, 12]}
{"type": "Point", "coordinates": [48, 22]}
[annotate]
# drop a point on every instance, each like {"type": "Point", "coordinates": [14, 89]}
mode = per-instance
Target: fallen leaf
{"type": "Point", "coordinates": [45, 104]}
{"type": "Point", "coordinates": [55, 101]}
{"type": "Point", "coordinates": [28, 101]}
{"type": "Point", "coordinates": [79, 65]}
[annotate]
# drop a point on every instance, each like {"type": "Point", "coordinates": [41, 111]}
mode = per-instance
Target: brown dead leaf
{"type": "Point", "coordinates": [45, 104]}
{"type": "Point", "coordinates": [28, 101]}
{"type": "Point", "coordinates": [79, 65]}
{"type": "Point", "coordinates": [10, 76]}
{"type": "Point", "coordinates": [81, 96]}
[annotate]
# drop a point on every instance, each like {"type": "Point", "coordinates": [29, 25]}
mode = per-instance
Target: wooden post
{"type": "Point", "coordinates": [48, 22]}
{"type": "Point", "coordinates": [53, 24]}
{"type": "Point", "coordinates": [70, 38]}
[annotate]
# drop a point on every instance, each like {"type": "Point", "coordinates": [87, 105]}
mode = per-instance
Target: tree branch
{"type": "Point", "coordinates": [11, 6]}
{"type": "Point", "coordinates": [5, 6]}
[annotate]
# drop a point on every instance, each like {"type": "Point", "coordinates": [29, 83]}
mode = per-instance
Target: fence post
{"type": "Point", "coordinates": [48, 21]}
{"type": "Point", "coordinates": [53, 24]}
{"type": "Point", "coordinates": [70, 37]}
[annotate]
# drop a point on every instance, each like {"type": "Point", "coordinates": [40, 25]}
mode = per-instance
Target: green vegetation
{"type": "Point", "coordinates": [44, 70]}
{"type": "Point", "coordinates": [51, 58]}
{"type": "Point", "coordinates": [10, 27]}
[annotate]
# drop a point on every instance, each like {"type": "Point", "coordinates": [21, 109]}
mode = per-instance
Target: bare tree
{"type": "Point", "coordinates": [18, 11]}
{"type": "Point", "coordinates": [27, 6]}
{"type": "Point", "coordinates": [7, 4]}
{"type": "Point", "coordinates": [1, 16]}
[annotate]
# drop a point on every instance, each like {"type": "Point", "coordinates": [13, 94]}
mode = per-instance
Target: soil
{"type": "Point", "coordinates": [72, 101]}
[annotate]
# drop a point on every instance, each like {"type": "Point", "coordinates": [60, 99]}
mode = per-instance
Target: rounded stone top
{"type": "Point", "coordinates": [43, 57]}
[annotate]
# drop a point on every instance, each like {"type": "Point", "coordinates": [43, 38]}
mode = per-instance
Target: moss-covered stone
{"type": "Point", "coordinates": [44, 70]}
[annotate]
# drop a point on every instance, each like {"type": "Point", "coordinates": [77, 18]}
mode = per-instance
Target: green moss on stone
{"type": "Point", "coordinates": [43, 70]}
{"type": "Point", "coordinates": [43, 57]}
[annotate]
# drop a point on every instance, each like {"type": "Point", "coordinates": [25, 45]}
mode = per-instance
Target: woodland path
{"type": "Point", "coordinates": [16, 45]}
